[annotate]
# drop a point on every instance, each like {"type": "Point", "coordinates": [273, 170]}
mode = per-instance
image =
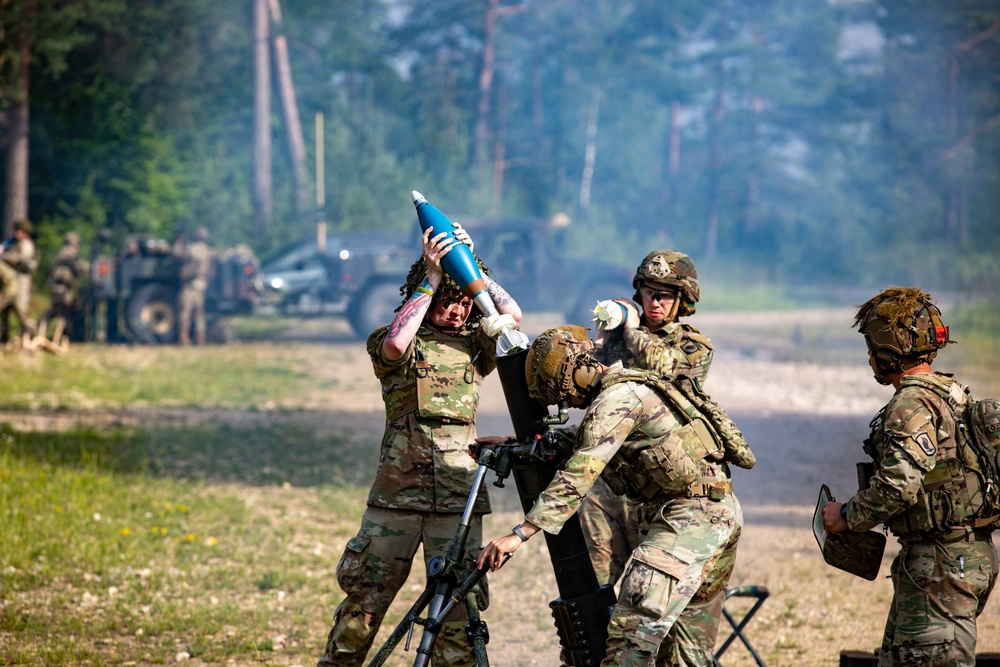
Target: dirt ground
{"type": "Point", "coordinates": [803, 397]}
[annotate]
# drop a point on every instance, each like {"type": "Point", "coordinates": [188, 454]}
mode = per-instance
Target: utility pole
{"type": "Point", "coordinates": [290, 111]}
{"type": "Point", "coordinates": [263, 204]}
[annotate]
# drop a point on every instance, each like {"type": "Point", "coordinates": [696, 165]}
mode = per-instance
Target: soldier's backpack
{"type": "Point", "coordinates": [981, 427]}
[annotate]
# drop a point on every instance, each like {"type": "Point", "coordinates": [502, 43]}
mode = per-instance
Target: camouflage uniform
{"type": "Point", "coordinates": [422, 485]}
{"type": "Point", "coordinates": [944, 573]}
{"type": "Point", "coordinates": [15, 292]}
{"type": "Point", "coordinates": [688, 552]}
{"type": "Point", "coordinates": [65, 274]}
{"type": "Point", "coordinates": [611, 523]}
{"type": "Point", "coordinates": [196, 258]}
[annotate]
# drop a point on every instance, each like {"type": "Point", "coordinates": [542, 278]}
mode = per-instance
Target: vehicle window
{"type": "Point", "coordinates": [294, 258]}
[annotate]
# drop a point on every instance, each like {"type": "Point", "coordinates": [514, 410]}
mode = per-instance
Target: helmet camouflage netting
{"type": "Point", "coordinates": [902, 328]}
{"type": "Point", "coordinates": [553, 357]}
{"type": "Point", "coordinates": [448, 290]}
{"type": "Point", "coordinates": [669, 267]}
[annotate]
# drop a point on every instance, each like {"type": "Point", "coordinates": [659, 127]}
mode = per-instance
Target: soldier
{"type": "Point", "coordinates": [638, 434]}
{"type": "Point", "coordinates": [947, 564]}
{"type": "Point", "coordinates": [19, 254]}
{"type": "Point", "coordinates": [666, 284]}
{"type": "Point", "coordinates": [431, 361]}
{"type": "Point", "coordinates": [65, 274]}
{"type": "Point", "coordinates": [196, 262]}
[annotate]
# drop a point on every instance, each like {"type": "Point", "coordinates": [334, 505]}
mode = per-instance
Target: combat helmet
{"type": "Point", "coordinates": [560, 365]}
{"type": "Point", "coordinates": [902, 328]}
{"type": "Point", "coordinates": [673, 268]}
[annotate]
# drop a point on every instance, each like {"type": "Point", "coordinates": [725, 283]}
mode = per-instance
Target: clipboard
{"type": "Point", "coordinates": [857, 553]}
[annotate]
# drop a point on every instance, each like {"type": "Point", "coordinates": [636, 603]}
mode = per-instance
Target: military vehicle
{"type": "Point", "coordinates": [360, 273]}
{"type": "Point", "coordinates": [132, 295]}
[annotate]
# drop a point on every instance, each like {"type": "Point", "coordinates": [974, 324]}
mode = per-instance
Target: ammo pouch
{"type": "Point", "coordinates": [735, 447]}
{"type": "Point", "coordinates": [946, 502]}
{"type": "Point", "coordinates": [671, 465]}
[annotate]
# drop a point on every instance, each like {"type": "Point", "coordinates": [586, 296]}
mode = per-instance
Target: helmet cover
{"type": "Point", "coordinates": [902, 328]}
{"type": "Point", "coordinates": [672, 268]}
{"type": "Point", "coordinates": [552, 360]}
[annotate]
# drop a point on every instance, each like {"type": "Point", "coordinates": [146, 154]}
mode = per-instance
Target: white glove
{"type": "Point", "coordinates": [494, 324]}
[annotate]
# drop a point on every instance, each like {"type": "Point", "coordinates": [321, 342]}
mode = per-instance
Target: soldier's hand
{"type": "Point", "coordinates": [434, 248]}
{"type": "Point", "coordinates": [832, 521]}
{"type": "Point", "coordinates": [494, 553]}
{"type": "Point", "coordinates": [463, 236]}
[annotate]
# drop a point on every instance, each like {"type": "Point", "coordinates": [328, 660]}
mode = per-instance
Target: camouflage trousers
{"type": "Point", "coordinates": [191, 307]}
{"type": "Point", "coordinates": [15, 297]}
{"type": "Point", "coordinates": [673, 590]}
{"type": "Point", "coordinates": [375, 566]}
{"type": "Point", "coordinates": [611, 528]}
{"type": "Point", "coordinates": [938, 592]}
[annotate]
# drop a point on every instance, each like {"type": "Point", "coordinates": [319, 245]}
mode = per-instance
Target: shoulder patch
{"type": "Point", "coordinates": [924, 443]}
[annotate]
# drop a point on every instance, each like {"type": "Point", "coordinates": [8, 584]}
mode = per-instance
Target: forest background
{"type": "Point", "coordinates": [819, 144]}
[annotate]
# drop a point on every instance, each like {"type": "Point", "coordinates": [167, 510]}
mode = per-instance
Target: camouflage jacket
{"type": "Point", "coordinates": [431, 394]}
{"type": "Point", "coordinates": [66, 271]}
{"type": "Point", "coordinates": [913, 440]}
{"type": "Point", "coordinates": [676, 349]}
{"type": "Point", "coordinates": [196, 263]}
{"type": "Point", "coordinates": [626, 418]}
{"type": "Point", "coordinates": [22, 256]}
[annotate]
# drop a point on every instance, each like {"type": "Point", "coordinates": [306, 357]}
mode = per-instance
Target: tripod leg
{"type": "Point", "coordinates": [476, 632]}
{"type": "Point", "coordinates": [404, 627]}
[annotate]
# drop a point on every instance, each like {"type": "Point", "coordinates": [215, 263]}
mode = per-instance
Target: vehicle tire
{"type": "Point", "coordinates": [373, 307]}
{"type": "Point", "coordinates": [151, 314]}
{"type": "Point", "coordinates": [582, 312]}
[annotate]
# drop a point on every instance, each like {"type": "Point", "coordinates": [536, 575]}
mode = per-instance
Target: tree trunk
{"type": "Point", "coordinates": [499, 153]}
{"type": "Point", "coordinates": [485, 85]}
{"type": "Point", "coordinates": [290, 112]}
{"type": "Point", "coordinates": [16, 190]}
{"type": "Point", "coordinates": [263, 204]}
{"type": "Point", "coordinates": [590, 153]}
{"type": "Point", "coordinates": [715, 144]}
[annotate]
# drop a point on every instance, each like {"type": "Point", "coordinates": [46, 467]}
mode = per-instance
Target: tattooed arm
{"type": "Point", "coordinates": [410, 316]}
{"type": "Point", "coordinates": [502, 300]}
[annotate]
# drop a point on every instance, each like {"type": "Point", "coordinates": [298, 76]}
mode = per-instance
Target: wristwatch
{"type": "Point", "coordinates": [843, 512]}
{"type": "Point", "coordinates": [520, 533]}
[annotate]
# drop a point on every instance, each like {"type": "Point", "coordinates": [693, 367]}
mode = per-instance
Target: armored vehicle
{"type": "Point", "coordinates": [132, 295]}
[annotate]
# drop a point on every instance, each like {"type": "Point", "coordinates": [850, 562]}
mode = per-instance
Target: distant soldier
{"type": "Point", "coordinates": [15, 294]}
{"type": "Point", "coordinates": [431, 361]}
{"type": "Point", "coordinates": [196, 262]}
{"type": "Point", "coordinates": [924, 489]}
{"type": "Point", "coordinates": [64, 277]}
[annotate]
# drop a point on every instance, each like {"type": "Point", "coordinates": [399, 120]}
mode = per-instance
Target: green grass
{"type": "Point", "coordinates": [113, 376]}
{"type": "Point", "coordinates": [103, 564]}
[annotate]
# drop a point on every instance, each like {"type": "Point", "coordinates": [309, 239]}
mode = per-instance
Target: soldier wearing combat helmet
{"type": "Point", "coordinates": [431, 361]}
{"type": "Point", "coordinates": [651, 337]}
{"type": "Point", "coordinates": [923, 488]}
{"type": "Point", "coordinates": [637, 436]}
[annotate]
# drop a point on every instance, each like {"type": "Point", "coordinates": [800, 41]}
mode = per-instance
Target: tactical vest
{"type": "Point", "coordinates": [62, 278]}
{"type": "Point", "coordinates": [690, 461]}
{"type": "Point", "coordinates": [442, 382]}
{"type": "Point", "coordinates": [952, 492]}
